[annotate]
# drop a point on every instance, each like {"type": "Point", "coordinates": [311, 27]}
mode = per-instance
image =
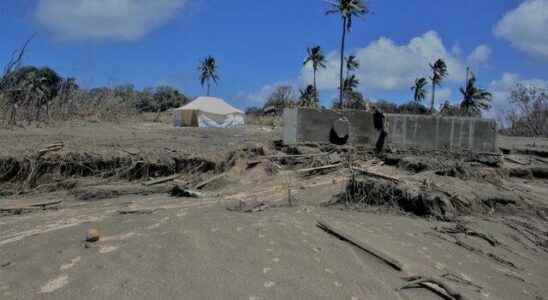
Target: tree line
{"type": "Point", "coordinates": [39, 94]}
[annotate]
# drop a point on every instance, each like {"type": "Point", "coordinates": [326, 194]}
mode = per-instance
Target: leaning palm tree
{"type": "Point", "coordinates": [316, 57]}
{"type": "Point", "coordinates": [308, 97]}
{"type": "Point", "coordinates": [208, 72]}
{"type": "Point", "coordinates": [350, 83]}
{"type": "Point", "coordinates": [420, 89]}
{"type": "Point", "coordinates": [352, 64]}
{"type": "Point", "coordinates": [475, 99]}
{"type": "Point", "coordinates": [439, 72]}
{"type": "Point", "coordinates": [346, 9]}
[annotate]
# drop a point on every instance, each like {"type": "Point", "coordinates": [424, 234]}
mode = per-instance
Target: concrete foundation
{"type": "Point", "coordinates": [418, 131]}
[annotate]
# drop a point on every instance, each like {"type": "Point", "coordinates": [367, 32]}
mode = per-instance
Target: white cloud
{"type": "Point", "coordinates": [480, 55]}
{"type": "Point", "coordinates": [501, 91]}
{"type": "Point", "coordinates": [386, 66]}
{"type": "Point", "coordinates": [526, 28]}
{"type": "Point", "coordinates": [105, 19]}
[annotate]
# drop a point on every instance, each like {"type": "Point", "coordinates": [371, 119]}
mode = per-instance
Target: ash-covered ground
{"type": "Point", "coordinates": [233, 214]}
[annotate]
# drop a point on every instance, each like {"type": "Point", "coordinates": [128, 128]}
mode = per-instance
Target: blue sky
{"type": "Point", "coordinates": [261, 44]}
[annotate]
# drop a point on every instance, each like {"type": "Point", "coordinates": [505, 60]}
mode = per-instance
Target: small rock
{"type": "Point", "coordinates": [92, 236]}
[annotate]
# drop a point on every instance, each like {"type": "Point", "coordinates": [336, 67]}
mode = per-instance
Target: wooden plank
{"type": "Point", "coordinates": [319, 168]}
{"type": "Point", "coordinates": [44, 204]}
{"type": "Point", "coordinates": [361, 245]}
{"type": "Point", "coordinates": [516, 161]}
{"type": "Point", "coordinates": [208, 181]}
{"type": "Point", "coordinates": [375, 174]}
{"type": "Point", "coordinates": [295, 155]}
{"type": "Point", "coordinates": [162, 180]}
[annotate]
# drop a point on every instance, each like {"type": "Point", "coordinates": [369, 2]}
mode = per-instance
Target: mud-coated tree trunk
{"type": "Point", "coordinates": [433, 97]}
{"type": "Point", "coordinates": [341, 80]}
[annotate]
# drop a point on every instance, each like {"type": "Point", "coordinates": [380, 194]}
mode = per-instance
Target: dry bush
{"type": "Point", "coordinates": [529, 113]}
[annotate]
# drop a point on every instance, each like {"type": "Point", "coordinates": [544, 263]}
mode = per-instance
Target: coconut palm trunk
{"type": "Point", "coordinates": [433, 98]}
{"type": "Point", "coordinates": [315, 82]}
{"type": "Point", "coordinates": [208, 87]}
{"type": "Point", "coordinates": [341, 79]}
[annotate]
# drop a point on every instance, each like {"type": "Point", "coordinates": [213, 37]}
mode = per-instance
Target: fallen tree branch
{"type": "Point", "coordinates": [374, 174]}
{"type": "Point", "coordinates": [425, 281]}
{"type": "Point", "coordinates": [322, 168]}
{"type": "Point", "coordinates": [395, 264]}
{"type": "Point", "coordinates": [516, 161]}
{"type": "Point", "coordinates": [202, 184]}
{"type": "Point", "coordinates": [162, 180]}
{"type": "Point", "coordinates": [186, 193]}
{"type": "Point", "coordinates": [295, 155]}
{"type": "Point", "coordinates": [459, 279]}
{"type": "Point", "coordinates": [46, 204]}
{"type": "Point", "coordinates": [460, 228]}
{"type": "Point", "coordinates": [542, 160]}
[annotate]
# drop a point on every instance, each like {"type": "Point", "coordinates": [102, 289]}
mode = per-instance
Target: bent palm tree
{"type": "Point", "coordinates": [350, 83]}
{"type": "Point", "coordinates": [475, 99]}
{"type": "Point", "coordinates": [308, 97]}
{"type": "Point", "coordinates": [316, 57]}
{"type": "Point", "coordinates": [352, 64]}
{"type": "Point", "coordinates": [420, 89]}
{"type": "Point", "coordinates": [208, 72]}
{"type": "Point", "coordinates": [346, 9]}
{"type": "Point", "coordinates": [439, 72]}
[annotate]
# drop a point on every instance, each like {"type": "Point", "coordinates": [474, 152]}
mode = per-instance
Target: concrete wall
{"type": "Point", "coordinates": [423, 132]}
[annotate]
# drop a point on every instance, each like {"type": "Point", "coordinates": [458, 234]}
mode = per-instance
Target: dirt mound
{"type": "Point", "coordinates": [435, 196]}
{"type": "Point", "coordinates": [28, 173]}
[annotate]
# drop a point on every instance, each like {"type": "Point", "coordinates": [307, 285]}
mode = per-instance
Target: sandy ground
{"type": "Point", "coordinates": [136, 137]}
{"type": "Point", "coordinates": [182, 248]}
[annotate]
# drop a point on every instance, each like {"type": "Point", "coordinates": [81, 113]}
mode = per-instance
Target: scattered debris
{"type": "Point", "coordinates": [250, 206]}
{"type": "Point", "coordinates": [461, 228]}
{"type": "Point", "coordinates": [461, 280]}
{"type": "Point", "coordinates": [178, 191]}
{"type": "Point", "coordinates": [52, 148]}
{"type": "Point", "coordinates": [92, 236]}
{"type": "Point", "coordinates": [375, 174]}
{"type": "Point", "coordinates": [318, 169]}
{"type": "Point", "coordinates": [46, 204]}
{"type": "Point", "coordinates": [140, 211]}
{"type": "Point", "coordinates": [425, 282]}
{"type": "Point", "coordinates": [162, 180]}
{"type": "Point", "coordinates": [210, 181]}
{"type": "Point", "coordinates": [395, 264]}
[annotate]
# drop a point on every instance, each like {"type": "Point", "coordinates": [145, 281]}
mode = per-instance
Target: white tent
{"type": "Point", "coordinates": [209, 112]}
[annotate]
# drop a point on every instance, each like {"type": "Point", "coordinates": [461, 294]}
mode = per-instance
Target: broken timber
{"type": "Point", "coordinates": [374, 174]}
{"type": "Point", "coordinates": [322, 168]}
{"type": "Point", "coordinates": [425, 281]}
{"type": "Point", "coordinates": [162, 180]}
{"type": "Point", "coordinates": [395, 264]}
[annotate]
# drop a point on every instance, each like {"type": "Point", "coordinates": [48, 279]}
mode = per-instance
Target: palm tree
{"type": "Point", "coordinates": [308, 97]}
{"type": "Point", "coordinates": [346, 9]}
{"type": "Point", "coordinates": [439, 72]}
{"type": "Point", "coordinates": [350, 83]}
{"type": "Point", "coordinates": [316, 57]}
{"type": "Point", "coordinates": [352, 64]}
{"type": "Point", "coordinates": [475, 99]}
{"type": "Point", "coordinates": [208, 72]}
{"type": "Point", "coordinates": [420, 89]}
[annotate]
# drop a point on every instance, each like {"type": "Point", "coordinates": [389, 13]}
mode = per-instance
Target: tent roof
{"type": "Point", "coordinates": [211, 105]}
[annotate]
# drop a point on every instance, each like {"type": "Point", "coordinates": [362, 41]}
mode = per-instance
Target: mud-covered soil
{"type": "Point", "coordinates": [477, 223]}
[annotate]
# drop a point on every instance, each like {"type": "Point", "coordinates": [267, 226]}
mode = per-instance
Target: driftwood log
{"type": "Point", "coordinates": [395, 264]}
{"type": "Point", "coordinates": [414, 281]}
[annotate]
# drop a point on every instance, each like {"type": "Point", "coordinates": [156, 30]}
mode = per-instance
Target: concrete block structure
{"type": "Point", "coordinates": [417, 131]}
